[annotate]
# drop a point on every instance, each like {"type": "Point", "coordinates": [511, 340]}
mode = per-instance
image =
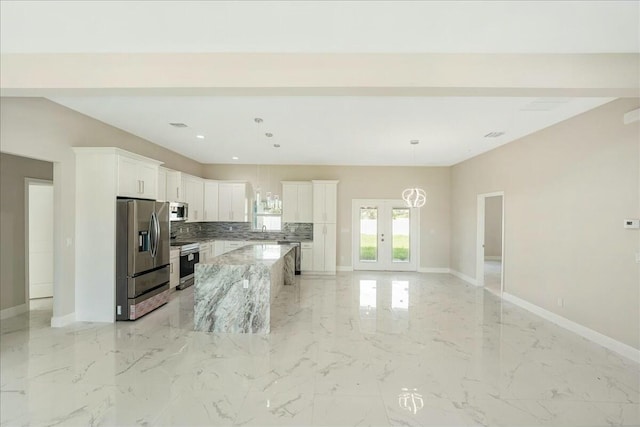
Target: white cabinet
{"type": "Point", "coordinates": [174, 268]}
{"type": "Point", "coordinates": [324, 226]}
{"type": "Point", "coordinates": [306, 254]}
{"type": "Point", "coordinates": [230, 245]}
{"type": "Point", "coordinates": [297, 201]}
{"type": "Point", "coordinates": [194, 196]}
{"type": "Point", "coordinates": [232, 202]}
{"type": "Point", "coordinates": [210, 200]}
{"type": "Point", "coordinates": [218, 247]}
{"type": "Point", "coordinates": [162, 185]}
{"type": "Point", "coordinates": [324, 201]}
{"type": "Point", "coordinates": [174, 192]}
{"type": "Point", "coordinates": [324, 248]}
{"type": "Point", "coordinates": [205, 252]}
{"type": "Point", "coordinates": [137, 177]}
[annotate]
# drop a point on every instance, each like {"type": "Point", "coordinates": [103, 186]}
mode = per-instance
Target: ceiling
{"type": "Point", "coordinates": [340, 130]}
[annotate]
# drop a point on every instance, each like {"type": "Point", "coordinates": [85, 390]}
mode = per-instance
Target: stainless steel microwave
{"type": "Point", "coordinates": [178, 211]}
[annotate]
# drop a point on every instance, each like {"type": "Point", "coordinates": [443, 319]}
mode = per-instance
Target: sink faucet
{"type": "Point", "coordinates": [264, 228]}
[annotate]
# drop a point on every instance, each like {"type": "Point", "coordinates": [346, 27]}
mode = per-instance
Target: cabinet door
{"type": "Point", "coordinates": [162, 185]}
{"type": "Point", "coordinates": [319, 231]}
{"type": "Point", "coordinates": [289, 202]}
{"type": "Point", "coordinates": [306, 263]}
{"type": "Point", "coordinates": [148, 176]}
{"type": "Point", "coordinates": [305, 203]}
{"type": "Point", "coordinates": [224, 202]}
{"type": "Point", "coordinates": [174, 271]}
{"type": "Point", "coordinates": [330, 248]}
{"type": "Point", "coordinates": [174, 187]}
{"type": "Point", "coordinates": [239, 203]}
{"type": "Point", "coordinates": [210, 200]}
{"type": "Point", "coordinates": [128, 182]}
{"type": "Point", "coordinates": [194, 195]}
{"type": "Point", "coordinates": [330, 197]}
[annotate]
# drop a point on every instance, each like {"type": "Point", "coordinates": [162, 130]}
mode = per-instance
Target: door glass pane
{"type": "Point", "coordinates": [400, 234]}
{"type": "Point", "coordinates": [368, 234]}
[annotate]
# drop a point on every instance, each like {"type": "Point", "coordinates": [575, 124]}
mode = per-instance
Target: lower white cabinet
{"type": "Point", "coordinates": [174, 268]}
{"type": "Point", "coordinates": [230, 245]}
{"type": "Point", "coordinates": [306, 261]}
{"type": "Point", "coordinates": [205, 252]}
{"type": "Point", "coordinates": [218, 247]}
{"type": "Point", "coordinates": [324, 248]}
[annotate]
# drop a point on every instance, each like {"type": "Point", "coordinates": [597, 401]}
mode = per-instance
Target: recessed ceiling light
{"type": "Point", "coordinates": [258, 120]}
{"type": "Point", "coordinates": [235, 158]}
{"type": "Point", "coordinates": [414, 142]}
{"type": "Point", "coordinates": [178, 125]}
{"type": "Point", "coordinates": [268, 134]}
{"type": "Point", "coordinates": [200, 136]}
{"type": "Point", "coordinates": [494, 134]}
{"type": "Point", "coordinates": [276, 145]}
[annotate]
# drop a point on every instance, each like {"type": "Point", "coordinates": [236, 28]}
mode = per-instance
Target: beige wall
{"type": "Point", "coordinates": [493, 226]}
{"type": "Point", "coordinates": [364, 182]}
{"type": "Point", "coordinates": [40, 129]}
{"type": "Point", "coordinates": [13, 171]}
{"type": "Point", "coordinates": [567, 190]}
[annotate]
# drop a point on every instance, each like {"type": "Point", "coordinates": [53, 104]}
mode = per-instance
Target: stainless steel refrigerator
{"type": "Point", "coordinates": [142, 257]}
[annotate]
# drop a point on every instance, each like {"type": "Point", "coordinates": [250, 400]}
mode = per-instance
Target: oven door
{"type": "Point", "coordinates": [188, 262]}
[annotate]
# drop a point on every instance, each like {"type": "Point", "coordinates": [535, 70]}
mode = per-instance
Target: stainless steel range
{"type": "Point", "coordinates": [189, 257]}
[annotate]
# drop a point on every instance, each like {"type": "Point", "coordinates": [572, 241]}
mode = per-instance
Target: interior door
{"type": "Point", "coordinates": [385, 235]}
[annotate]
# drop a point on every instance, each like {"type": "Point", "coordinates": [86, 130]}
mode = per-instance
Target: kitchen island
{"type": "Point", "coordinates": [234, 291]}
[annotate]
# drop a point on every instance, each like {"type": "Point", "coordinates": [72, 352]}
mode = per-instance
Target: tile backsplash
{"type": "Point", "coordinates": [296, 231]}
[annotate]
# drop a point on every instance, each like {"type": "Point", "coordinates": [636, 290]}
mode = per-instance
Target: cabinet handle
{"type": "Point", "coordinates": [177, 192]}
{"type": "Point", "coordinates": [171, 268]}
{"type": "Point", "coordinates": [142, 187]}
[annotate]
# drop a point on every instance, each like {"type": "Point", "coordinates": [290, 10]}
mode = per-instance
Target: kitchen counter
{"type": "Point", "coordinates": [234, 291]}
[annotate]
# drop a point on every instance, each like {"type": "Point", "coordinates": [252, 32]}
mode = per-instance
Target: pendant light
{"type": "Point", "coordinates": [414, 197]}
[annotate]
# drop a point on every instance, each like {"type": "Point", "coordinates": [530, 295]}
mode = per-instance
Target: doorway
{"type": "Point", "coordinates": [490, 241]}
{"type": "Point", "coordinates": [385, 235]}
{"type": "Point", "coordinates": [39, 239]}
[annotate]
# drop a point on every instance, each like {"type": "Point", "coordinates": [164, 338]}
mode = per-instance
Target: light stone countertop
{"type": "Point", "coordinates": [252, 254]}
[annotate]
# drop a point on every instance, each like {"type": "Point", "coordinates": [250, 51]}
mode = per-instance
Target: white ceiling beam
{"type": "Point", "coordinates": [611, 75]}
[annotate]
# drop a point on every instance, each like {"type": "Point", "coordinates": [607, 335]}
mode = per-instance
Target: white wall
{"type": "Point", "coordinates": [567, 190]}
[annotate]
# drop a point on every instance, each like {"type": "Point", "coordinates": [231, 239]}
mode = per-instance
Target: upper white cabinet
{"type": "Point", "coordinates": [233, 203]}
{"type": "Point", "coordinates": [162, 185]}
{"type": "Point", "coordinates": [194, 196]}
{"type": "Point", "coordinates": [137, 176]}
{"type": "Point", "coordinates": [297, 201]}
{"type": "Point", "coordinates": [325, 201]}
{"type": "Point", "coordinates": [174, 187]}
{"type": "Point", "coordinates": [210, 200]}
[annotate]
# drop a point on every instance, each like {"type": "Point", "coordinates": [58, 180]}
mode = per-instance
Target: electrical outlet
{"type": "Point", "coordinates": [245, 283]}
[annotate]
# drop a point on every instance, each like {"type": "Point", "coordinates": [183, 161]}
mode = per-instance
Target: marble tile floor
{"type": "Point", "coordinates": [355, 349]}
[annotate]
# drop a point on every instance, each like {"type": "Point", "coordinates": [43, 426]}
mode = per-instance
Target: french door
{"type": "Point", "coordinates": [385, 235]}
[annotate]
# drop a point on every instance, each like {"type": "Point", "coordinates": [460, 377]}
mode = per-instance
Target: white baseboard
{"type": "Point", "coordinates": [605, 341]}
{"type": "Point", "coordinates": [344, 268]}
{"type": "Point", "coordinates": [493, 258]}
{"type": "Point", "coordinates": [464, 277]}
{"type": "Point", "coordinates": [433, 270]}
{"type": "Point", "coordinates": [13, 311]}
{"type": "Point", "coordinates": [60, 321]}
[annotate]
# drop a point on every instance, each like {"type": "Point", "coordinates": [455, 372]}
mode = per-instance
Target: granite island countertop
{"type": "Point", "coordinates": [234, 291]}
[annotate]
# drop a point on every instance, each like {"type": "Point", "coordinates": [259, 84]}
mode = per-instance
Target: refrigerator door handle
{"type": "Point", "coordinates": [152, 237]}
{"type": "Point", "coordinates": [157, 224]}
